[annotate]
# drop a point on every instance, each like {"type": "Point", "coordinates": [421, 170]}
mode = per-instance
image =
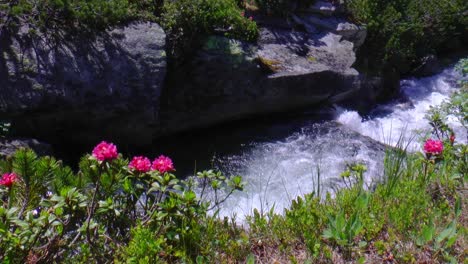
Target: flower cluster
{"type": "Point", "coordinates": [163, 164]}
{"type": "Point", "coordinates": [8, 179]}
{"type": "Point", "coordinates": [433, 147]}
{"type": "Point", "coordinates": [143, 164]}
{"type": "Point", "coordinates": [140, 164]}
{"type": "Point", "coordinates": [105, 151]}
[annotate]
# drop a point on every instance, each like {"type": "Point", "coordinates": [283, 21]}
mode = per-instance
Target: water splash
{"type": "Point", "coordinates": [277, 172]}
{"type": "Point", "coordinates": [406, 116]}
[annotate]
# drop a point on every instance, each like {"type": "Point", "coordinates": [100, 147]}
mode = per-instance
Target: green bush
{"type": "Point", "coordinates": [281, 7]}
{"type": "Point", "coordinates": [113, 210]}
{"type": "Point", "coordinates": [187, 22]}
{"type": "Point", "coordinates": [402, 32]}
{"type": "Point", "coordinates": [108, 210]}
{"type": "Point", "coordinates": [49, 14]}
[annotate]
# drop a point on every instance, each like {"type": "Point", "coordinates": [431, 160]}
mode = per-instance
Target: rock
{"type": "Point", "coordinates": [429, 65]}
{"type": "Point", "coordinates": [8, 147]}
{"type": "Point", "coordinates": [349, 31]}
{"type": "Point", "coordinates": [80, 87]}
{"type": "Point", "coordinates": [286, 69]}
{"type": "Point", "coordinates": [302, 53]}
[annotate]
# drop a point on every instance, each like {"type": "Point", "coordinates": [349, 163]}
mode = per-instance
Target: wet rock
{"type": "Point", "coordinates": [8, 147]}
{"type": "Point", "coordinates": [337, 25]}
{"type": "Point", "coordinates": [429, 65]}
{"type": "Point", "coordinates": [286, 69]}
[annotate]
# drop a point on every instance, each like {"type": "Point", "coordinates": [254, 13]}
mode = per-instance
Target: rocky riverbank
{"type": "Point", "coordinates": [81, 88]}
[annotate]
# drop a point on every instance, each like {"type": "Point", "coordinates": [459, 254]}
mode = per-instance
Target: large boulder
{"type": "Point", "coordinates": [83, 87]}
{"type": "Point", "coordinates": [348, 31]}
{"type": "Point", "coordinates": [285, 69]}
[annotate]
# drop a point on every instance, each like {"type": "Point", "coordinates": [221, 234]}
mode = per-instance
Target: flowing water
{"type": "Point", "coordinates": [283, 157]}
{"type": "Point", "coordinates": [406, 116]}
{"type": "Point", "coordinates": [277, 171]}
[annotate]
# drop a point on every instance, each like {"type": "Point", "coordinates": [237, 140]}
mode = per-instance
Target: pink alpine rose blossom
{"type": "Point", "coordinates": [8, 179]}
{"type": "Point", "coordinates": [105, 151]}
{"type": "Point", "coordinates": [434, 147]}
{"type": "Point", "coordinates": [163, 164]}
{"type": "Point", "coordinates": [140, 164]}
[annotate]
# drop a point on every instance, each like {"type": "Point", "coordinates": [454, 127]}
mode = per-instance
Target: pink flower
{"type": "Point", "coordinates": [105, 151]}
{"type": "Point", "coordinates": [140, 164]}
{"type": "Point", "coordinates": [250, 18]}
{"type": "Point", "coordinates": [8, 179]}
{"type": "Point", "coordinates": [242, 13]}
{"type": "Point", "coordinates": [163, 164]}
{"type": "Point", "coordinates": [433, 147]}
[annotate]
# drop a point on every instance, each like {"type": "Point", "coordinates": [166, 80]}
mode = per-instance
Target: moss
{"type": "Point", "coordinates": [269, 65]}
{"type": "Point", "coordinates": [311, 59]}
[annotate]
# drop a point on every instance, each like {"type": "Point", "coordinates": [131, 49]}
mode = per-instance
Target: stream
{"type": "Point", "coordinates": [281, 157]}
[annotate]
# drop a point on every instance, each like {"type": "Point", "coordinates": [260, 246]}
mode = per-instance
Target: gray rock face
{"type": "Point", "coordinates": [9, 146]}
{"type": "Point", "coordinates": [302, 52]}
{"type": "Point", "coordinates": [285, 69]}
{"type": "Point", "coordinates": [75, 90]}
{"type": "Point", "coordinates": [349, 31]}
{"type": "Point", "coordinates": [77, 82]}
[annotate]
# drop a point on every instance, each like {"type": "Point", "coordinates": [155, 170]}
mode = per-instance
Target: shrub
{"type": "Point", "coordinates": [50, 214]}
{"type": "Point", "coordinates": [187, 22]}
{"type": "Point", "coordinates": [49, 14]}
{"type": "Point", "coordinates": [401, 32]}
{"type": "Point", "coordinates": [281, 7]}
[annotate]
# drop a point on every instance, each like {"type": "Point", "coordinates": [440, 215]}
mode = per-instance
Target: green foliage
{"type": "Point", "coordinates": [187, 21]}
{"type": "Point", "coordinates": [106, 211]}
{"type": "Point", "coordinates": [49, 14]}
{"type": "Point", "coordinates": [144, 246]}
{"type": "Point", "coordinates": [401, 32]}
{"type": "Point", "coordinates": [281, 7]}
{"type": "Point", "coordinates": [457, 106]}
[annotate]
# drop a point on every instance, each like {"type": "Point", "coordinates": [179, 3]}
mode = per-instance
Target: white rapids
{"type": "Point", "coordinates": [277, 172]}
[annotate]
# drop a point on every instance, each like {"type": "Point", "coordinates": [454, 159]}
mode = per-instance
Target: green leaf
{"type": "Point", "coordinates": [362, 260]}
{"type": "Point", "coordinates": [451, 241]}
{"type": "Point", "coordinates": [458, 207]}
{"type": "Point", "coordinates": [58, 211]}
{"type": "Point", "coordinates": [199, 260]}
{"type": "Point", "coordinates": [190, 196]}
{"type": "Point", "coordinates": [250, 259]}
{"type": "Point", "coordinates": [328, 234]}
{"type": "Point", "coordinates": [428, 233]}
{"type": "Point", "coordinates": [450, 230]}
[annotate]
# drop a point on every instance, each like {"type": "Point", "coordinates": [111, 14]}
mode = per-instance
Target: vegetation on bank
{"type": "Point", "coordinates": [137, 211]}
{"type": "Point", "coordinates": [401, 33]}
{"type": "Point", "coordinates": [186, 22]}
